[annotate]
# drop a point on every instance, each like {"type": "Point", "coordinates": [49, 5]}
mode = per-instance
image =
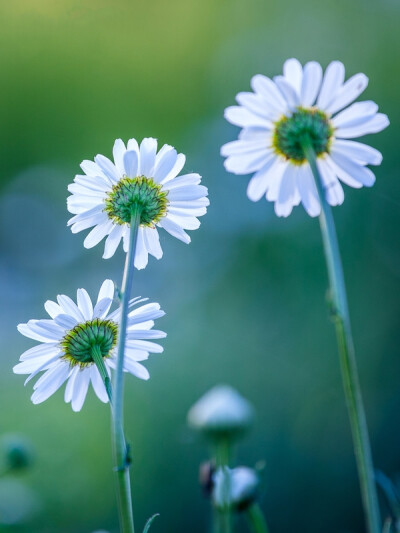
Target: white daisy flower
{"type": "Point", "coordinates": [73, 337]}
{"type": "Point", "coordinates": [280, 112]}
{"type": "Point", "coordinates": [104, 197]}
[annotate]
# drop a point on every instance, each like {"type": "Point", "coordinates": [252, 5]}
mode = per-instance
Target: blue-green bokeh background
{"type": "Point", "coordinates": [245, 301]}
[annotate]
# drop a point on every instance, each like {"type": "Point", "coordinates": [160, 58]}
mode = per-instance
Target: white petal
{"type": "Point", "coordinates": [333, 190]}
{"type": "Point", "coordinates": [112, 241]}
{"type": "Point", "coordinates": [184, 179]}
{"type": "Point", "coordinates": [141, 254]}
{"type": "Point", "coordinates": [164, 164]}
{"type": "Point", "coordinates": [136, 369]}
{"type": "Point", "coordinates": [47, 363]}
{"type": "Point", "coordinates": [248, 162]}
{"type": "Point", "coordinates": [360, 173]}
{"type": "Point", "coordinates": [187, 193]}
{"type": "Point", "coordinates": [361, 152]}
{"type": "Point", "coordinates": [354, 114]}
{"type": "Point", "coordinates": [241, 116]}
{"type": "Point", "coordinates": [50, 382]}
{"type": "Point", "coordinates": [69, 307]}
{"type": "Point", "coordinates": [102, 307]}
{"type": "Point", "coordinates": [333, 79]}
{"type": "Point", "coordinates": [131, 162]}
{"type": "Point", "coordinates": [239, 147]}
{"type": "Point", "coordinates": [52, 308]}
{"type": "Point", "coordinates": [97, 234]}
{"type": "Point", "coordinates": [81, 384]}
{"type": "Point", "coordinates": [179, 164]}
{"type": "Point", "coordinates": [349, 91]}
{"type": "Point", "coordinates": [67, 322]}
{"type": "Point", "coordinates": [118, 153]}
{"type": "Point", "coordinates": [148, 149]}
{"type": "Point", "coordinates": [375, 124]}
{"type": "Point", "coordinates": [152, 241]}
{"type": "Point", "coordinates": [133, 145]}
{"type": "Point", "coordinates": [95, 220]}
{"type": "Point", "coordinates": [84, 303]}
{"type": "Point", "coordinates": [312, 77]}
{"type": "Point", "coordinates": [135, 334]}
{"type": "Point", "coordinates": [190, 223]}
{"type": "Point", "coordinates": [148, 346]}
{"type": "Point", "coordinates": [47, 328]}
{"type": "Point", "coordinates": [98, 385]}
{"type": "Point", "coordinates": [287, 192]}
{"type": "Point", "coordinates": [293, 73]}
{"type": "Point", "coordinates": [79, 204]}
{"type": "Point", "coordinates": [174, 230]}
{"type": "Point", "coordinates": [106, 290]}
{"type": "Point", "coordinates": [86, 215]}
{"type": "Point", "coordinates": [108, 168]}
{"type": "Point", "coordinates": [260, 182]}
{"type": "Point", "coordinates": [257, 105]}
{"type": "Point", "coordinates": [136, 355]}
{"type": "Point", "coordinates": [91, 169]}
{"type": "Point", "coordinates": [342, 175]}
{"type": "Point", "coordinates": [276, 171]}
{"type": "Point", "coordinates": [267, 88]}
{"type": "Point", "coordinates": [308, 191]}
{"type": "Point", "coordinates": [39, 350]}
{"type": "Point", "coordinates": [35, 364]}
{"type": "Point", "coordinates": [69, 389]}
{"type": "Point", "coordinates": [289, 93]}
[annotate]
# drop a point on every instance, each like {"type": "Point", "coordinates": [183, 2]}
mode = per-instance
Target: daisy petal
{"type": "Point", "coordinates": [362, 152]}
{"type": "Point", "coordinates": [112, 241]}
{"type": "Point", "coordinates": [312, 77]}
{"type": "Point", "coordinates": [106, 290]}
{"type": "Point", "coordinates": [308, 191]}
{"type": "Point", "coordinates": [50, 382]}
{"type": "Point", "coordinates": [108, 168]}
{"type": "Point", "coordinates": [241, 116]}
{"type": "Point", "coordinates": [333, 79]}
{"type": "Point", "coordinates": [119, 150]}
{"type": "Point", "coordinates": [293, 72]}
{"type": "Point", "coordinates": [375, 124]}
{"type": "Point", "coordinates": [130, 162]}
{"type": "Point", "coordinates": [84, 303]}
{"type": "Point", "coordinates": [81, 385]}
{"type": "Point", "coordinates": [350, 90]}
{"type": "Point", "coordinates": [136, 369]}
{"type": "Point", "coordinates": [360, 173]}
{"type": "Point", "coordinates": [148, 149]}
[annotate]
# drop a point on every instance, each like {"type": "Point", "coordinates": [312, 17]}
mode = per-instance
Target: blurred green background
{"type": "Point", "coordinates": [245, 301]}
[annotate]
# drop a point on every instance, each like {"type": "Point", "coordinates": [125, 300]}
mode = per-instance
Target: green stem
{"type": "Point", "coordinates": [362, 447]}
{"type": "Point", "coordinates": [256, 518]}
{"type": "Point", "coordinates": [121, 455]}
{"type": "Point", "coordinates": [223, 517]}
{"type": "Point", "coordinates": [101, 367]}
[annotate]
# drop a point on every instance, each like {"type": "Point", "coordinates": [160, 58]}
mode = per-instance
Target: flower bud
{"type": "Point", "coordinates": [221, 413]}
{"type": "Point", "coordinates": [17, 452]}
{"type": "Point", "coordinates": [237, 487]}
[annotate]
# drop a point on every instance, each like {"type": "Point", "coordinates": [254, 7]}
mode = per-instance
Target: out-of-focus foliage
{"type": "Point", "coordinates": [245, 301]}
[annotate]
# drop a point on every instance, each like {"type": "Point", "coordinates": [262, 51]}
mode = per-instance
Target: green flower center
{"type": "Point", "coordinates": [290, 131]}
{"type": "Point", "coordinates": [137, 193]}
{"type": "Point", "coordinates": [79, 343]}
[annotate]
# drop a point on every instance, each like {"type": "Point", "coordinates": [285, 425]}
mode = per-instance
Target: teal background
{"type": "Point", "coordinates": [245, 301]}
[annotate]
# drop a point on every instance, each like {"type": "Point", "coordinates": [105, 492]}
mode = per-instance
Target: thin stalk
{"type": "Point", "coordinates": [352, 390]}
{"type": "Point", "coordinates": [256, 518]}
{"type": "Point", "coordinates": [121, 456]}
{"type": "Point", "coordinates": [223, 517]}
{"type": "Point", "coordinates": [101, 367]}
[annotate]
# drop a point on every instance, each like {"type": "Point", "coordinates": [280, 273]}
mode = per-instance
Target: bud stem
{"type": "Point", "coordinates": [352, 390]}
{"type": "Point", "coordinates": [223, 518]}
{"type": "Point", "coordinates": [256, 518]}
{"type": "Point", "coordinates": [120, 449]}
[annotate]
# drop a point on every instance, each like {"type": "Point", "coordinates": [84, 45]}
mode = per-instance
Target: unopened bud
{"type": "Point", "coordinates": [237, 487]}
{"type": "Point", "coordinates": [221, 412]}
{"type": "Point", "coordinates": [17, 452]}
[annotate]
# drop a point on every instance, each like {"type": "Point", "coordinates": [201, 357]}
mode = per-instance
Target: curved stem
{"type": "Point", "coordinates": [352, 390]}
{"type": "Point", "coordinates": [256, 518]}
{"type": "Point", "coordinates": [101, 367]}
{"type": "Point", "coordinates": [121, 452]}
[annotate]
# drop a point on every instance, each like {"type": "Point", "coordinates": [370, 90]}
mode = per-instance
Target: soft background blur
{"type": "Point", "coordinates": [245, 301]}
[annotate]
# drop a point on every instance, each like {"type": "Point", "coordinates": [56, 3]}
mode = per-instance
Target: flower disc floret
{"type": "Point", "coordinates": [289, 131]}
{"type": "Point", "coordinates": [137, 193]}
{"type": "Point", "coordinates": [79, 343]}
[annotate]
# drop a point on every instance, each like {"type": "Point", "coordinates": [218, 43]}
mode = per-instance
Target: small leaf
{"type": "Point", "coordinates": [149, 522]}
